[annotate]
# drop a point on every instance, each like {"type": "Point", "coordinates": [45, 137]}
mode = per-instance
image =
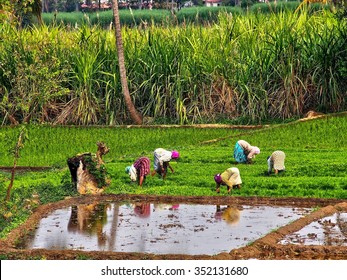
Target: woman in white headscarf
{"type": "Point", "coordinates": [245, 152]}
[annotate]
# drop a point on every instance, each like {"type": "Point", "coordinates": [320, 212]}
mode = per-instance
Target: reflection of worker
{"type": "Point", "coordinates": [276, 162]}
{"type": "Point", "coordinates": [219, 212]}
{"type": "Point", "coordinates": [162, 160]}
{"type": "Point", "coordinates": [230, 177]}
{"type": "Point", "coordinates": [142, 210]}
{"type": "Point", "coordinates": [139, 170]}
{"type": "Point", "coordinates": [89, 219]}
{"type": "Point", "coordinates": [244, 152]}
{"type": "Point", "coordinates": [229, 214]}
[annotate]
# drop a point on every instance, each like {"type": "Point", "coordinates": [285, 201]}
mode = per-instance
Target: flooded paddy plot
{"type": "Point", "coordinates": [328, 231]}
{"type": "Point", "coordinates": [157, 228]}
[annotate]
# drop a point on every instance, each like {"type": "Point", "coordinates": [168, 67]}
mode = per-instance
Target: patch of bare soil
{"type": "Point", "coordinates": [231, 126]}
{"type": "Point", "coordinates": [267, 247]}
{"type": "Point", "coordinates": [24, 168]}
{"type": "Point", "coordinates": [312, 115]}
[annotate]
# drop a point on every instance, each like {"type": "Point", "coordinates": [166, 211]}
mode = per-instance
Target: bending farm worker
{"type": "Point", "coordinates": [276, 162]}
{"type": "Point", "coordinates": [162, 160]}
{"type": "Point", "coordinates": [230, 177]}
{"type": "Point", "coordinates": [245, 152]}
{"type": "Point", "coordinates": [139, 170]}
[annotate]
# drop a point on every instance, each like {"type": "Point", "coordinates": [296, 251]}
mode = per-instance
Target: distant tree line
{"type": "Point", "coordinates": [49, 6]}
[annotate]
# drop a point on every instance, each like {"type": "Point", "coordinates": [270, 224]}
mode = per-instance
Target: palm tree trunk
{"type": "Point", "coordinates": [37, 10]}
{"type": "Point", "coordinates": [135, 116]}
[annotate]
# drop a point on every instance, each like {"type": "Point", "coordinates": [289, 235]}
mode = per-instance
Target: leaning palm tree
{"type": "Point", "coordinates": [134, 114]}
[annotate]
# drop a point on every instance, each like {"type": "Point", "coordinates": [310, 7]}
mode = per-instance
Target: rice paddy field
{"type": "Point", "coordinates": [240, 68]}
{"type": "Point", "coordinates": [315, 161]}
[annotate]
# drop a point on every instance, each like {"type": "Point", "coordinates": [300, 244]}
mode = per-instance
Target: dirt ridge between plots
{"type": "Point", "coordinates": [266, 247]}
{"type": "Point", "coordinates": [25, 168]}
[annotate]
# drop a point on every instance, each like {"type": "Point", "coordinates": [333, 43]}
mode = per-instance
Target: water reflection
{"type": "Point", "coordinates": [142, 210]}
{"type": "Point", "coordinates": [158, 228]}
{"type": "Point", "coordinates": [170, 207]}
{"type": "Point", "coordinates": [330, 231]}
{"type": "Point", "coordinates": [88, 220]}
{"type": "Point", "coordinates": [230, 214]}
{"type": "Point", "coordinates": [341, 220]}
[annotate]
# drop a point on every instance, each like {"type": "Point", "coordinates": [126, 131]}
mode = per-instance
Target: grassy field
{"type": "Point", "coordinates": [315, 162]}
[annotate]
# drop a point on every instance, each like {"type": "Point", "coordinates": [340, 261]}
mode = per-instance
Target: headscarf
{"type": "Point", "coordinates": [131, 170]}
{"type": "Point", "coordinates": [256, 150]}
{"type": "Point", "coordinates": [218, 178]}
{"type": "Point", "coordinates": [175, 154]}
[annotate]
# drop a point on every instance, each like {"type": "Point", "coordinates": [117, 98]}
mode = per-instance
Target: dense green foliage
{"type": "Point", "coordinates": [243, 68]}
{"type": "Point", "coordinates": [197, 15]}
{"type": "Point", "coordinates": [315, 161]}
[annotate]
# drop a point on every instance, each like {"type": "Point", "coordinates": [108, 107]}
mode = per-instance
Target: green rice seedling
{"type": "Point", "coordinates": [53, 145]}
{"type": "Point", "coordinates": [69, 19]}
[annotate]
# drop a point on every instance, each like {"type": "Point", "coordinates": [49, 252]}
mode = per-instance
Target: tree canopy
{"type": "Point", "coordinates": [19, 11]}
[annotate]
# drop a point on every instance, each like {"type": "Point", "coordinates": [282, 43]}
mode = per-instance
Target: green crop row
{"type": "Point", "coordinates": [51, 146]}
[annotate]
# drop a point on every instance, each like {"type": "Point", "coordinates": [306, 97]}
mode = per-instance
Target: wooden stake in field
{"type": "Point", "coordinates": [16, 154]}
{"type": "Point", "coordinates": [134, 114]}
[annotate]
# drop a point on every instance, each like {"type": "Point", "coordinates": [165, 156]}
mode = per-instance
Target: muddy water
{"type": "Point", "coordinates": [331, 230]}
{"type": "Point", "coordinates": [158, 228]}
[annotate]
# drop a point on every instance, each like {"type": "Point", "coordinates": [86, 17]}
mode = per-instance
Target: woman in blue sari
{"type": "Point", "coordinates": [244, 152]}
